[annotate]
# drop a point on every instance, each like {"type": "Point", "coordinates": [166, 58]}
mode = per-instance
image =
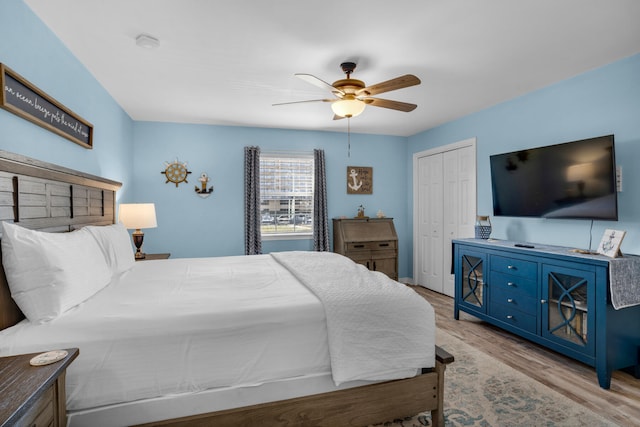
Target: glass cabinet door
{"type": "Point", "coordinates": [473, 288]}
{"type": "Point", "coordinates": [567, 295]}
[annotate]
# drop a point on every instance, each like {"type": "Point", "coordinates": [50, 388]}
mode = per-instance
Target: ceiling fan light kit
{"type": "Point", "coordinates": [348, 107]}
{"type": "Point", "coordinates": [352, 95]}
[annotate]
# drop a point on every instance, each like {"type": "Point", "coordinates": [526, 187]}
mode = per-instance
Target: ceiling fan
{"type": "Point", "coordinates": [352, 96]}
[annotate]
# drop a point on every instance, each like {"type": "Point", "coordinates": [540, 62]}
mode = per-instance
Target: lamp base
{"type": "Point", "coordinates": [138, 237]}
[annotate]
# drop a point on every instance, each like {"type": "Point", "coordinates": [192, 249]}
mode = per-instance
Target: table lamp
{"type": "Point", "coordinates": [138, 216]}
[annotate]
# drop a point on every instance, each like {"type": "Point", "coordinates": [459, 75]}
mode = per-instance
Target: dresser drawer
{"type": "Point", "coordinates": [389, 244]}
{"type": "Point", "coordinates": [375, 245]}
{"type": "Point", "coordinates": [383, 255]}
{"type": "Point", "coordinates": [517, 300]}
{"type": "Point", "coordinates": [516, 285]}
{"type": "Point", "coordinates": [515, 266]}
{"type": "Point", "coordinates": [359, 256]}
{"type": "Point", "coordinates": [512, 316]}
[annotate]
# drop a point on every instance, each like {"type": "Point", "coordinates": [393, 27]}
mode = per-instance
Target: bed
{"type": "Point", "coordinates": [171, 342]}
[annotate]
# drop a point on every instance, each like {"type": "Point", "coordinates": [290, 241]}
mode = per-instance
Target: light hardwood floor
{"type": "Point", "coordinates": [577, 381]}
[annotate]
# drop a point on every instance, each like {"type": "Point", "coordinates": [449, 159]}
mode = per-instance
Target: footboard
{"type": "Point", "coordinates": [443, 358]}
{"type": "Point", "coordinates": [358, 406]}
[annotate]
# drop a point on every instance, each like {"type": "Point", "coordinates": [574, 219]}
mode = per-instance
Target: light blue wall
{"type": "Point", "coordinates": [30, 49]}
{"type": "Point", "coordinates": [189, 226]}
{"type": "Point", "coordinates": [603, 101]}
{"type": "Point", "coordinates": [134, 153]}
{"type": "Point", "coordinates": [600, 102]}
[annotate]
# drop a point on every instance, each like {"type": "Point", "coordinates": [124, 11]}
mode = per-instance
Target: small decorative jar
{"type": "Point", "coordinates": [483, 227]}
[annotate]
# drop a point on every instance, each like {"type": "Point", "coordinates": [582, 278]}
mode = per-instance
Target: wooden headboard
{"type": "Point", "coordinates": [43, 196]}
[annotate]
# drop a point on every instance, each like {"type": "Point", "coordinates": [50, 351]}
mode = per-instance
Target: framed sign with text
{"type": "Point", "coordinates": [359, 180]}
{"type": "Point", "coordinates": [24, 99]}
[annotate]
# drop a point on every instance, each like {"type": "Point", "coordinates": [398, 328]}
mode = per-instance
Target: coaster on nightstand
{"type": "Point", "coordinates": [48, 357]}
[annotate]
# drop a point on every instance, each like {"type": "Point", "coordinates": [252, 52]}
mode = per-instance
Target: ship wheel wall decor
{"type": "Point", "coordinates": [176, 172]}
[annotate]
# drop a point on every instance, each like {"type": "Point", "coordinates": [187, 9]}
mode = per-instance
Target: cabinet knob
{"type": "Point", "coordinates": [509, 317]}
{"type": "Point", "coordinates": [543, 301]}
{"type": "Point", "coordinates": [511, 267]}
{"type": "Point", "coordinates": [510, 284]}
{"type": "Point", "coordinates": [509, 299]}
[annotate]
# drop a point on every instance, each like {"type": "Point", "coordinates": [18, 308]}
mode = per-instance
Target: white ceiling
{"type": "Point", "coordinates": [225, 62]}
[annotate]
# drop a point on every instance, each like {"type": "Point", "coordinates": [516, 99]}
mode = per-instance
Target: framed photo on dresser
{"type": "Point", "coordinates": [610, 243]}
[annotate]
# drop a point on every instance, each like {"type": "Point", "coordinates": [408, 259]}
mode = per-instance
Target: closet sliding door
{"type": "Point", "coordinates": [444, 209]}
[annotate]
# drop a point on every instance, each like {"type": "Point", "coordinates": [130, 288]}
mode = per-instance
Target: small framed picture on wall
{"type": "Point", "coordinates": [359, 180]}
{"type": "Point", "coordinates": [610, 243]}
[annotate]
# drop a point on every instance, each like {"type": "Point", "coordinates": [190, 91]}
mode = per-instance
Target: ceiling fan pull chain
{"type": "Point", "coordinates": [349, 137]}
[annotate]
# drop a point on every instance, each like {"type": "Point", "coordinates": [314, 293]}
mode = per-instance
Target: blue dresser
{"type": "Point", "coordinates": [552, 296]}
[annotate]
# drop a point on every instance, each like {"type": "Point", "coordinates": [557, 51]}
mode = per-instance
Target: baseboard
{"type": "Point", "coordinates": [407, 280]}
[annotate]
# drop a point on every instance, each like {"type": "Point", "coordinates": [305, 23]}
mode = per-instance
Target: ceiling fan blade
{"type": "Point", "coordinates": [386, 103]}
{"type": "Point", "coordinates": [393, 84]}
{"type": "Point", "coordinates": [319, 82]}
{"type": "Point", "coordinates": [337, 117]}
{"type": "Point", "coordinates": [302, 102]}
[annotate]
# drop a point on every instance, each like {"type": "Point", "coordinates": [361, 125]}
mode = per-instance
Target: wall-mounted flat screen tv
{"type": "Point", "coordinates": [572, 180]}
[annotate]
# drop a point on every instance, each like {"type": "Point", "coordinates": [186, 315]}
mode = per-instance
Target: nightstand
{"type": "Point", "coordinates": [33, 395]}
{"type": "Point", "coordinates": [150, 257]}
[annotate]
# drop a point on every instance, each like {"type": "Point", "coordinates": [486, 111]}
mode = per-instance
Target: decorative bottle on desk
{"type": "Point", "coordinates": [483, 227]}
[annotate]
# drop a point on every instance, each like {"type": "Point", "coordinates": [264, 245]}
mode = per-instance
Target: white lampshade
{"type": "Point", "coordinates": [138, 215]}
{"type": "Point", "coordinates": [348, 107]}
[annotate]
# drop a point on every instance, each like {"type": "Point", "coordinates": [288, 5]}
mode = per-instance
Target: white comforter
{"type": "Point", "coordinates": [376, 326]}
{"type": "Point", "coordinates": [187, 325]}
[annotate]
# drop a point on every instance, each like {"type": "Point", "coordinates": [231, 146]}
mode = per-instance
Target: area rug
{"type": "Point", "coordinates": [481, 391]}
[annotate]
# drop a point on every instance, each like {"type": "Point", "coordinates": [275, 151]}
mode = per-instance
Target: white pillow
{"type": "Point", "coordinates": [115, 242]}
{"type": "Point", "coordinates": [49, 273]}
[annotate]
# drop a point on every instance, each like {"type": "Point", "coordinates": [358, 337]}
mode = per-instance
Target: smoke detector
{"type": "Point", "coordinates": [146, 41]}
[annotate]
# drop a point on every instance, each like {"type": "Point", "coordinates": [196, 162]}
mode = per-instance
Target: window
{"type": "Point", "coordinates": [286, 195]}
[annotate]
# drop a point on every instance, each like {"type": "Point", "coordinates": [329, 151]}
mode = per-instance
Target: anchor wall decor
{"type": "Point", "coordinates": [204, 190]}
{"type": "Point", "coordinates": [359, 180]}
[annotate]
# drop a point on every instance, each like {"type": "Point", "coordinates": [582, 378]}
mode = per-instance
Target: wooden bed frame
{"type": "Point", "coordinates": [43, 196]}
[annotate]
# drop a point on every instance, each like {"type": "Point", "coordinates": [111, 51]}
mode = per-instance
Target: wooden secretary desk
{"type": "Point", "coordinates": [372, 242]}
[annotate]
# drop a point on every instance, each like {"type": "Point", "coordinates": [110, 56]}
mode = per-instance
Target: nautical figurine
{"type": "Point", "coordinates": [204, 180]}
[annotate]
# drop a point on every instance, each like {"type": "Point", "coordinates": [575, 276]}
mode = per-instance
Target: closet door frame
{"type": "Point", "coordinates": [471, 198]}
